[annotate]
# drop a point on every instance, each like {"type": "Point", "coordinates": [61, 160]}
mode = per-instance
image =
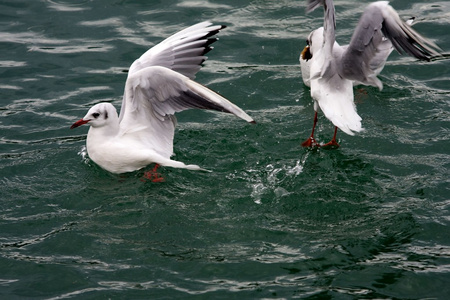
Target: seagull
{"type": "Point", "coordinates": [159, 84]}
{"type": "Point", "coordinates": [331, 70]}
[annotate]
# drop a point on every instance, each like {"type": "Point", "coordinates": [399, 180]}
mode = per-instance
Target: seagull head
{"type": "Point", "coordinates": [99, 115]}
{"type": "Point", "coordinates": [313, 44]}
{"type": "Point", "coordinates": [306, 53]}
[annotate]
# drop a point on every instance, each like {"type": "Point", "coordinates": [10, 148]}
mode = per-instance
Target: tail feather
{"type": "Point", "coordinates": [180, 165]}
{"type": "Point", "coordinates": [337, 104]}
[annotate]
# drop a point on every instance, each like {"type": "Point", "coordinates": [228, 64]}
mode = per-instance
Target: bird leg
{"type": "Point", "coordinates": [311, 141]}
{"type": "Point", "coordinates": [153, 175]}
{"type": "Point", "coordinates": [333, 143]}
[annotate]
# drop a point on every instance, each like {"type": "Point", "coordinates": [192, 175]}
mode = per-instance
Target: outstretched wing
{"type": "Point", "coordinates": [369, 46]}
{"type": "Point", "coordinates": [183, 52]}
{"type": "Point", "coordinates": [154, 94]}
{"type": "Point", "coordinates": [329, 30]}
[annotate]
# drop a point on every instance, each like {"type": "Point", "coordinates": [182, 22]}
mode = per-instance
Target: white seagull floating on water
{"type": "Point", "coordinates": [331, 70]}
{"type": "Point", "coordinates": [159, 84]}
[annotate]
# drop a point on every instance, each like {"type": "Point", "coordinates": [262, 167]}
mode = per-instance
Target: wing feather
{"type": "Point", "coordinates": [196, 38]}
{"type": "Point", "coordinates": [154, 95]}
{"type": "Point", "coordinates": [378, 29]}
{"type": "Point", "coordinates": [329, 32]}
{"type": "Point", "coordinates": [183, 52]}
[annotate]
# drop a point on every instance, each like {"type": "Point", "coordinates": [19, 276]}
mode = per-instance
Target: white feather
{"type": "Point", "coordinates": [154, 92]}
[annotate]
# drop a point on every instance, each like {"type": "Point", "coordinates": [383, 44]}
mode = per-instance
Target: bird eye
{"type": "Point", "coordinates": [95, 115]}
{"type": "Point", "coordinates": [307, 42]}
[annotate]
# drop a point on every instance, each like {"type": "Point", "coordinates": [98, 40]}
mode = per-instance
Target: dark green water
{"type": "Point", "coordinates": [273, 220]}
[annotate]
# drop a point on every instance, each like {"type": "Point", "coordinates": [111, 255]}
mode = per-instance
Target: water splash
{"type": "Point", "coordinates": [84, 155]}
{"type": "Point", "coordinates": [274, 180]}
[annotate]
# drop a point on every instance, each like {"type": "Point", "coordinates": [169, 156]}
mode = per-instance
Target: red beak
{"type": "Point", "coordinates": [78, 123]}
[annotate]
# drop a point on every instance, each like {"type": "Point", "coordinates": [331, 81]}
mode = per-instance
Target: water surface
{"type": "Point", "coordinates": [273, 220]}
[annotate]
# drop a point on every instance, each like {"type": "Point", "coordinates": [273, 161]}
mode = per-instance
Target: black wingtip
{"type": "Point", "coordinates": [214, 32]}
{"type": "Point", "coordinates": [440, 56]}
{"type": "Point", "coordinates": [211, 41]}
{"type": "Point", "coordinates": [208, 43]}
{"type": "Point", "coordinates": [207, 49]}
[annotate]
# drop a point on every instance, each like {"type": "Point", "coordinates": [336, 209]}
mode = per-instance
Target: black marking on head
{"type": "Point", "coordinates": [106, 115]}
{"type": "Point", "coordinates": [306, 53]}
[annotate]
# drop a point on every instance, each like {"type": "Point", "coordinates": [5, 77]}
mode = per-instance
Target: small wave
{"type": "Point", "coordinates": [66, 6]}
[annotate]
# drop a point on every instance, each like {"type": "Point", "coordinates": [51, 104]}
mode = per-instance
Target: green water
{"type": "Point", "coordinates": [273, 220]}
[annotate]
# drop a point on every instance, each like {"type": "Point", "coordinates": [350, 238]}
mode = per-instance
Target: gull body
{"type": "Point", "coordinates": [331, 70]}
{"type": "Point", "coordinates": [159, 84]}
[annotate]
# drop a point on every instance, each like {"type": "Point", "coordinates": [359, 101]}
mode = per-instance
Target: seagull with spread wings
{"type": "Point", "coordinates": [331, 70]}
{"type": "Point", "coordinates": [159, 84]}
